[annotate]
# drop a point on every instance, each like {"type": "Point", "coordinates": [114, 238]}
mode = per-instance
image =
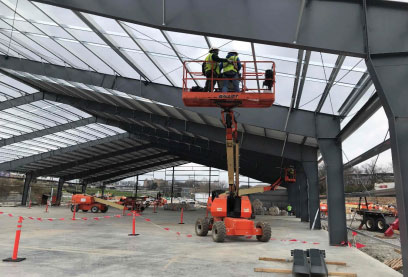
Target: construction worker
{"type": "Point", "coordinates": [291, 173]}
{"type": "Point", "coordinates": [211, 69]}
{"type": "Point", "coordinates": [289, 209]}
{"type": "Point", "coordinates": [231, 70]}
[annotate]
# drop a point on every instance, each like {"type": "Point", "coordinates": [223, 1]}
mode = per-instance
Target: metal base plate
{"type": "Point", "coordinates": [14, 261]}
{"type": "Point", "coordinates": [133, 235]}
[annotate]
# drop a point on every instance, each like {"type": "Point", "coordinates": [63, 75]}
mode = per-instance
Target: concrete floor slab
{"type": "Point", "coordinates": [103, 247]}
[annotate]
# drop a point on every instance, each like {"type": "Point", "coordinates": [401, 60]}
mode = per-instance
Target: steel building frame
{"type": "Point", "coordinates": [344, 27]}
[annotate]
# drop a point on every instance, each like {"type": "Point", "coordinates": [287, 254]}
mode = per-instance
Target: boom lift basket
{"type": "Point", "coordinates": [290, 175]}
{"type": "Point", "coordinates": [257, 86]}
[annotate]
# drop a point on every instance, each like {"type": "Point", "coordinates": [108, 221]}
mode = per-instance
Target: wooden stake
{"type": "Point", "coordinates": [290, 260]}
{"type": "Point", "coordinates": [274, 259]}
{"type": "Point", "coordinates": [288, 271]}
{"type": "Point", "coordinates": [272, 270]}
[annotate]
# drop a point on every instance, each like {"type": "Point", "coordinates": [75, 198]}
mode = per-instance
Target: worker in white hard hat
{"type": "Point", "coordinates": [231, 70]}
{"type": "Point", "coordinates": [210, 69]}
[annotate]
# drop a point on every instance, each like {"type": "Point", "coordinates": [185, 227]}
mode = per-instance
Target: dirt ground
{"type": "Point", "coordinates": [374, 248]}
{"type": "Point", "coordinates": [375, 200]}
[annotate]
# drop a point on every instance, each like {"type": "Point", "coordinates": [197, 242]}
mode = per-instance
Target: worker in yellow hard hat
{"type": "Point", "coordinates": [210, 69]}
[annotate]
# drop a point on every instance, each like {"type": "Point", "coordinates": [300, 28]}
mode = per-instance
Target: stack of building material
{"type": "Point", "coordinates": [274, 211]}
{"type": "Point", "coordinates": [257, 207]}
{"type": "Point", "coordinates": [395, 264]}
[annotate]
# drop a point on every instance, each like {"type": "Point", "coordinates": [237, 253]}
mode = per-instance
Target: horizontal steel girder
{"type": "Point", "coordinates": [255, 165]}
{"type": "Point", "coordinates": [384, 146]}
{"type": "Point", "coordinates": [129, 170]}
{"type": "Point", "coordinates": [26, 99]}
{"type": "Point", "coordinates": [301, 122]}
{"type": "Point", "coordinates": [15, 164]}
{"type": "Point", "coordinates": [48, 131]}
{"type": "Point", "coordinates": [371, 107]}
{"type": "Point", "coordinates": [65, 166]}
{"type": "Point", "coordinates": [248, 142]}
{"type": "Point", "coordinates": [118, 166]}
{"type": "Point", "coordinates": [326, 25]}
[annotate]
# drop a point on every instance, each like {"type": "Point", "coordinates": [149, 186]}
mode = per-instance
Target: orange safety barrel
{"type": "Point", "coordinates": [256, 82]}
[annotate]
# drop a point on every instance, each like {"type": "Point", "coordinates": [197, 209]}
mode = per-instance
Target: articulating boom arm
{"type": "Point", "coordinates": [232, 145]}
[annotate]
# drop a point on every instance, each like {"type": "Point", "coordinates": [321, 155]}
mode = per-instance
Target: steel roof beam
{"type": "Point", "coordinates": [361, 87]}
{"type": "Point", "coordinates": [376, 150]}
{"type": "Point", "coordinates": [372, 106]}
{"type": "Point", "coordinates": [94, 27]}
{"type": "Point", "coordinates": [330, 82]}
{"type": "Point", "coordinates": [48, 131]}
{"type": "Point", "coordinates": [144, 171]}
{"type": "Point", "coordinates": [112, 166]}
{"type": "Point", "coordinates": [178, 55]}
{"type": "Point", "coordinates": [303, 78]}
{"type": "Point", "coordinates": [22, 100]}
{"type": "Point", "coordinates": [54, 170]}
{"type": "Point", "coordinates": [328, 26]}
{"type": "Point", "coordinates": [301, 122]}
{"type": "Point", "coordinates": [249, 142]}
{"type": "Point", "coordinates": [129, 170]}
{"type": "Point", "coordinates": [129, 32]}
{"type": "Point", "coordinates": [254, 164]}
{"type": "Point", "coordinates": [13, 165]}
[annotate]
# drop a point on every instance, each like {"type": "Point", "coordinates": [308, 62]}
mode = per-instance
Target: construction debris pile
{"type": "Point", "coordinates": [178, 206]}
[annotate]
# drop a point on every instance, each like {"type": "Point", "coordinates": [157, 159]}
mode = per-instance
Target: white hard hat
{"type": "Point", "coordinates": [233, 51]}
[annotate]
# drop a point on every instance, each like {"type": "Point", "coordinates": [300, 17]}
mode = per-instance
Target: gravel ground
{"type": "Point", "coordinates": [374, 248]}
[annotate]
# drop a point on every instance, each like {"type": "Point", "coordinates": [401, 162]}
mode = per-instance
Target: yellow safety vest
{"type": "Point", "coordinates": [210, 65]}
{"type": "Point", "coordinates": [232, 64]}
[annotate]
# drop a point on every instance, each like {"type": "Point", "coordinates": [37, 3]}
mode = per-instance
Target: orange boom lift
{"type": "Point", "coordinates": [231, 212]}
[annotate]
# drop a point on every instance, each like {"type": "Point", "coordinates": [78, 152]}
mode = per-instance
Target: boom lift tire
{"type": "Point", "coordinates": [381, 225]}
{"type": "Point", "coordinates": [201, 227]}
{"type": "Point", "coordinates": [105, 210]}
{"type": "Point", "coordinates": [219, 231]}
{"type": "Point", "coordinates": [73, 208]}
{"type": "Point", "coordinates": [266, 231]}
{"type": "Point", "coordinates": [370, 224]}
{"type": "Point", "coordinates": [94, 209]}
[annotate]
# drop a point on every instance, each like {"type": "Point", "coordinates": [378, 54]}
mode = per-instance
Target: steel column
{"type": "Point", "coordinates": [291, 188]}
{"type": "Point", "coordinates": [297, 200]}
{"type": "Point", "coordinates": [59, 191]}
{"type": "Point", "coordinates": [209, 183]}
{"type": "Point", "coordinates": [83, 189]}
{"type": "Point", "coordinates": [303, 195]}
{"type": "Point", "coordinates": [136, 185]}
{"type": "Point", "coordinates": [389, 74]}
{"type": "Point", "coordinates": [311, 171]}
{"type": "Point", "coordinates": [27, 183]}
{"type": "Point", "coordinates": [333, 159]}
{"type": "Point", "coordinates": [172, 186]}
